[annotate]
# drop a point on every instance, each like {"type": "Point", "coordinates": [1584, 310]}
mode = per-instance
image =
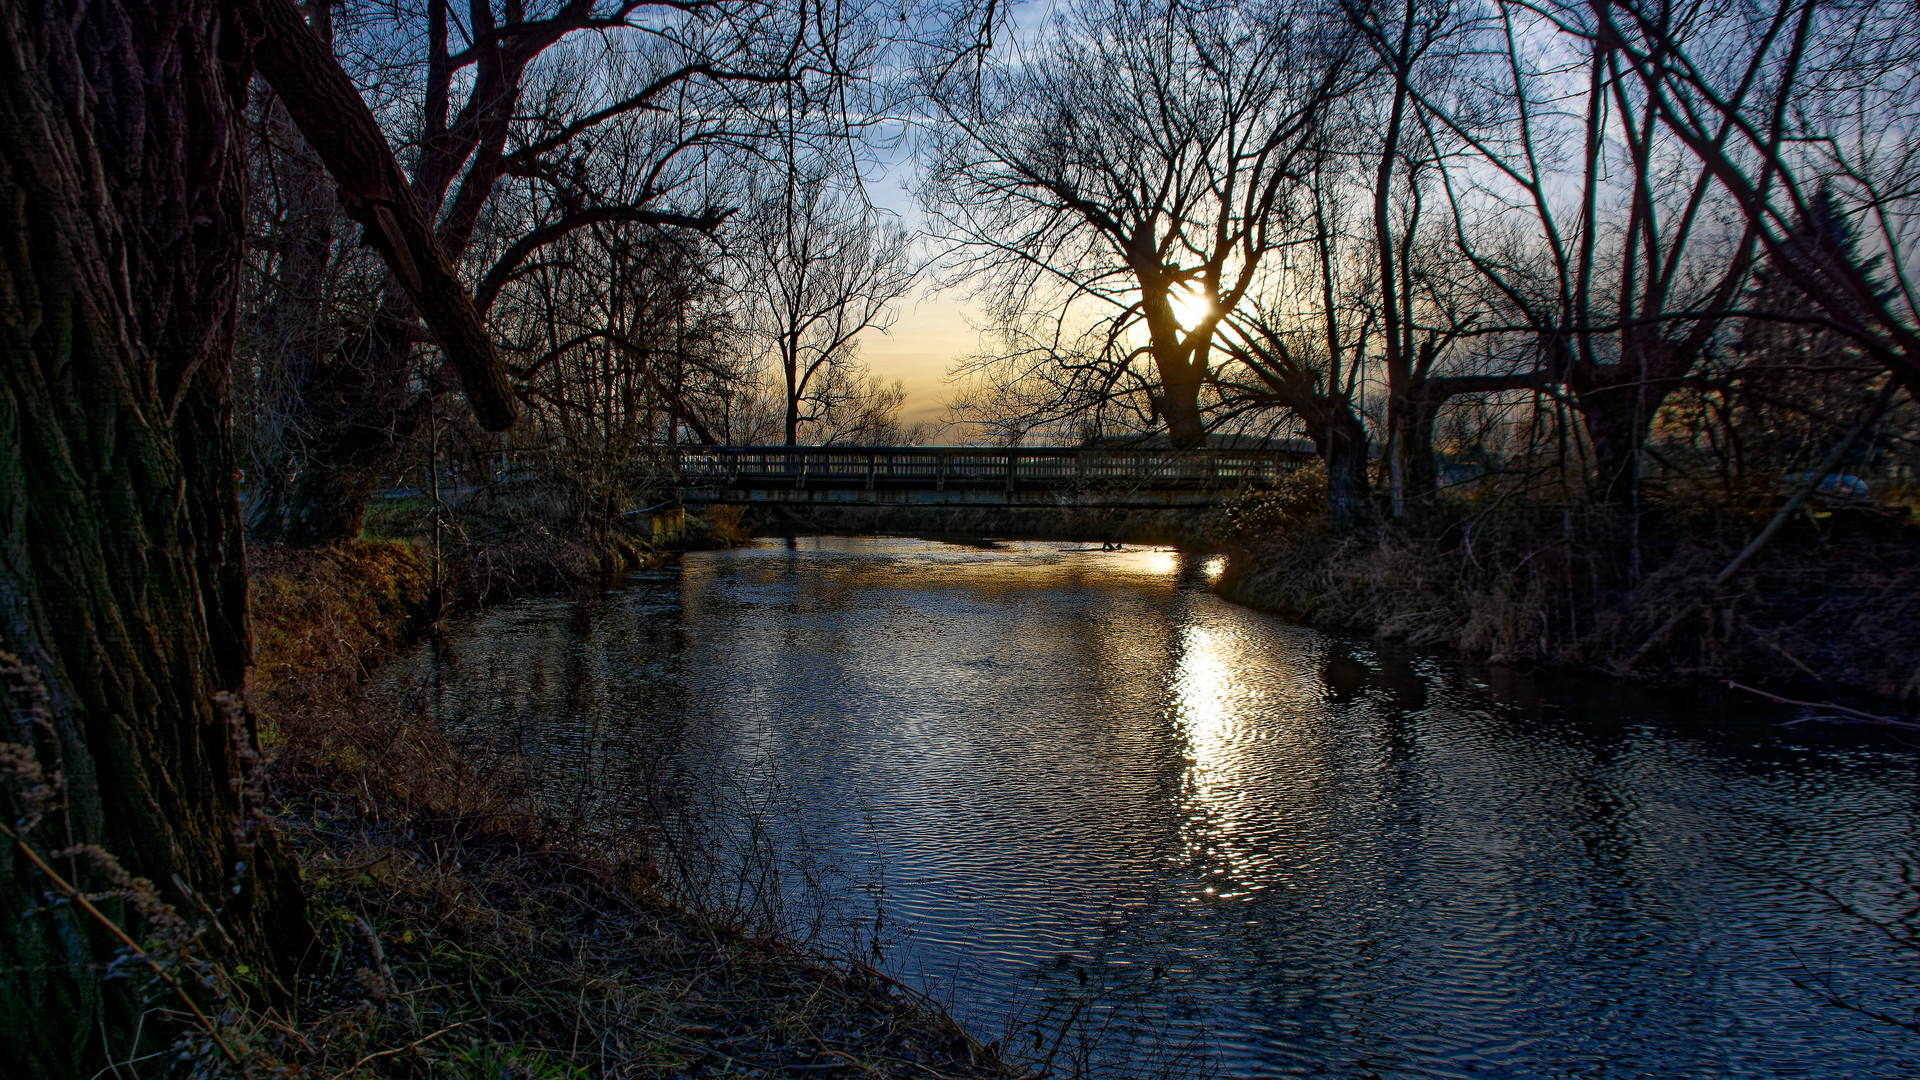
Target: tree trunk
{"type": "Point", "coordinates": [793, 399]}
{"type": "Point", "coordinates": [1412, 415]}
{"type": "Point", "coordinates": [1416, 475]}
{"type": "Point", "coordinates": [1617, 406]}
{"type": "Point", "coordinates": [122, 586]}
{"type": "Point", "coordinates": [1342, 441]}
{"type": "Point", "coordinates": [1420, 469]}
{"type": "Point", "coordinates": [361, 411]}
{"type": "Point", "coordinates": [1179, 404]}
{"type": "Point", "coordinates": [1616, 434]}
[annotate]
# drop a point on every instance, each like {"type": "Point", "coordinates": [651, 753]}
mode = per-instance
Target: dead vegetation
{"type": "Point", "coordinates": [458, 933]}
{"type": "Point", "coordinates": [1826, 608]}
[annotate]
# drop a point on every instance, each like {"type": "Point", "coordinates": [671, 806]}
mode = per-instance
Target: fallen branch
{"type": "Point", "coordinates": [1812, 481]}
{"type": "Point", "coordinates": [1853, 715]}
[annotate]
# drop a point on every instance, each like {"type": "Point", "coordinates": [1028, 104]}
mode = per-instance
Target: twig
{"type": "Point", "coordinates": [114, 928]}
{"type": "Point", "coordinates": [1813, 481]}
{"type": "Point", "coordinates": [403, 1049]}
{"type": "Point", "coordinates": [1862, 717]}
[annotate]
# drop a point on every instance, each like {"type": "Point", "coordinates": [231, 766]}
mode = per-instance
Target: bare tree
{"type": "Point", "coordinates": [1600, 235]}
{"type": "Point", "coordinates": [628, 346]}
{"type": "Point", "coordinates": [1113, 185]}
{"type": "Point", "coordinates": [1789, 107]}
{"type": "Point", "coordinates": [820, 266]}
{"type": "Point", "coordinates": [1300, 343]}
{"type": "Point", "coordinates": [545, 104]}
{"type": "Point", "coordinates": [1426, 318]}
{"type": "Point", "coordinates": [854, 407]}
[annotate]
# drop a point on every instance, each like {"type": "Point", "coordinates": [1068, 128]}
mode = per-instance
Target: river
{"type": "Point", "coordinates": [1091, 804]}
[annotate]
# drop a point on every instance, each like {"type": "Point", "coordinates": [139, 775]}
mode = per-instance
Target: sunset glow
{"type": "Point", "coordinates": [1190, 307]}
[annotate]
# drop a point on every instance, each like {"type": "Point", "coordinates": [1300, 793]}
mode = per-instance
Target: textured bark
{"type": "Point", "coordinates": [121, 579]}
{"type": "Point", "coordinates": [1415, 473]}
{"type": "Point", "coordinates": [1342, 441]}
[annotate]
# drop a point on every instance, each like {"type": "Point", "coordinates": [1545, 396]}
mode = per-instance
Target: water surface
{"type": "Point", "coordinates": [1075, 783]}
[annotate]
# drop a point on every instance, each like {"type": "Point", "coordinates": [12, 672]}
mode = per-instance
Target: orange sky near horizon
{"type": "Point", "coordinates": [920, 349]}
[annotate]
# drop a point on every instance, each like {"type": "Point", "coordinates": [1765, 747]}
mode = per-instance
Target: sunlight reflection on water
{"type": "Point", "coordinates": [1056, 767]}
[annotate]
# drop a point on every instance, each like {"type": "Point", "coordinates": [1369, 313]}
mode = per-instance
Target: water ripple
{"type": "Point", "coordinates": [1058, 769]}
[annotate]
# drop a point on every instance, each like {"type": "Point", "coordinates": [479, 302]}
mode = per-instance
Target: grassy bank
{"type": "Point", "coordinates": [506, 547]}
{"type": "Point", "coordinates": [1827, 609]}
{"type": "Point", "coordinates": [459, 934]}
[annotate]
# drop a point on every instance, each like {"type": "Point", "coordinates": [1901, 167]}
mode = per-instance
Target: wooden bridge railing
{"type": "Point", "coordinates": [937, 468]}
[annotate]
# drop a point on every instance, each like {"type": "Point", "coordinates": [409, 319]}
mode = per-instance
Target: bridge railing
{"type": "Point", "coordinates": [968, 466]}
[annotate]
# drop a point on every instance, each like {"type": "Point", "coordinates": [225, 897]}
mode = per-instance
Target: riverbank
{"type": "Point", "coordinates": [485, 556]}
{"type": "Point", "coordinates": [459, 933]}
{"type": "Point", "coordinates": [1825, 611]}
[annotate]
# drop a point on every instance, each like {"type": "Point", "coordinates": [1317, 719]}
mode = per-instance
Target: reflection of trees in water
{"type": "Point", "coordinates": [983, 762]}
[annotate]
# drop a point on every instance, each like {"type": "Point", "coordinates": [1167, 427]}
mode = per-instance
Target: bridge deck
{"type": "Point", "coordinates": [976, 476]}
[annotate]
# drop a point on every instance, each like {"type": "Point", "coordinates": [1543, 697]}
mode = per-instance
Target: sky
{"type": "Point", "coordinates": [936, 328]}
{"type": "Point", "coordinates": [920, 349]}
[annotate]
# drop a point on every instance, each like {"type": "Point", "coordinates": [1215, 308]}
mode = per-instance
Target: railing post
{"type": "Point", "coordinates": [1011, 458]}
{"type": "Point", "coordinates": [940, 483]}
{"type": "Point", "coordinates": [871, 456]}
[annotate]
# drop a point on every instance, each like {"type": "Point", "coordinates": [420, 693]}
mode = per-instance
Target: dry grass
{"type": "Point", "coordinates": [1828, 608]}
{"type": "Point", "coordinates": [460, 934]}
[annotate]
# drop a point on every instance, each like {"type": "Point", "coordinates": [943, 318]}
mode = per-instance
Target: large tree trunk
{"type": "Point", "coordinates": [360, 411]}
{"type": "Point", "coordinates": [1617, 405]}
{"type": "Point", "coordinates": [1180, 407]}
{"type": "Point", "coordinates": [122, 588]}
{"type": "Point", "coordinates": [1181, 376]}
{"type": "Point", "coordinates": [1341, 439]}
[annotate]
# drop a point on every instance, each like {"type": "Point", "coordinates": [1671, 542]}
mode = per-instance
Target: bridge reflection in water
{"type": "Point", "coordinates": [1078, 780]}
{"type": "Point", "coordinates": [978, 476]}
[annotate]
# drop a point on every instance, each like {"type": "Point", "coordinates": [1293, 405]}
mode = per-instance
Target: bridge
{"type": "Point", "coordinates": [977, 476]}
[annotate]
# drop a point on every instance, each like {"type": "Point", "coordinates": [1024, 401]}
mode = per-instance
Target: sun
{"type": "Point", "coordinates": [1189, 307]}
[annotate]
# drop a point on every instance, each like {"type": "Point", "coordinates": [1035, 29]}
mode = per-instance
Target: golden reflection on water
{"type": "Point", "coordinates": [1203, 685]}
{"type": "Point", "coordinates": [1161, 562]}
{"type": "Point", "coordinates": [1243, 710]}
{"type": "Point", "coordinates": [1208, 693]}
{"type": "Point", "coordinates": [1156, 668]}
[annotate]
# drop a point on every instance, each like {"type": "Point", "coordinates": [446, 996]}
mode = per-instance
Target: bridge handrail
{"type": "Point", "coordinates": [972, 465]}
